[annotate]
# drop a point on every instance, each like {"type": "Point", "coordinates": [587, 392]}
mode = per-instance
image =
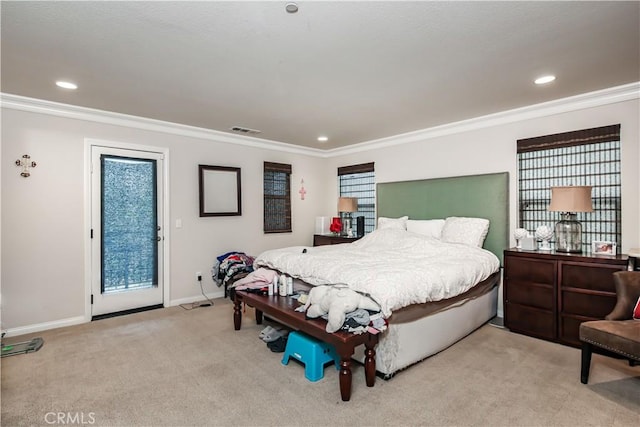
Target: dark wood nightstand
{"type": "Point", "coordinates": [330, 239]}
{"type": "Point", "coordinates": [548, 294]}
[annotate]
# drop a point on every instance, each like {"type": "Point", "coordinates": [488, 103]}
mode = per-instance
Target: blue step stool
{"type": "Point", "coordinates": [313, 353]}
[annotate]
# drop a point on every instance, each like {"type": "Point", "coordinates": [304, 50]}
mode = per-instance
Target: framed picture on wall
{"type": "Point", "coordinates": [220, 191]}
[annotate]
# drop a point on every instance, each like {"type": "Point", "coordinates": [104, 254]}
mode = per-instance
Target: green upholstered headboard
{"type": "Point", "coordinates": [479, 196]}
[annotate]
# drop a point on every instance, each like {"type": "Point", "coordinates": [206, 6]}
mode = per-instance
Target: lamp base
{"type": "Point", "coordinates": [568, 234]}
{"type": "Point", "coordinates": [346, 226]}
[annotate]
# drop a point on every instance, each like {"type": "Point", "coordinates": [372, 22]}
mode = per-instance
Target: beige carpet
{"type": "Point", "coordinates": [172, 367]}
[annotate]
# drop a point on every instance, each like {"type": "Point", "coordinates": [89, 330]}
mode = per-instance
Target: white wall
{"type": "Point", "coordinates": [43, 234]}
{"type": "Point", "coordinates": [493, 149]}
{"type": "Point", "coordinates": [43, 229]}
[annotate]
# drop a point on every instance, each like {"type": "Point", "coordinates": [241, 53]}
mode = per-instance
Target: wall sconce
{"type": "Point", "coordinates": [26, 164]}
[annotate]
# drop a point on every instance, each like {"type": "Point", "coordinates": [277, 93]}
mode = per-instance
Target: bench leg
{"type": "Point", "coordinates": [586, 362]}
{"type": "Point", "coordinates": [237, 313]}
{"type": "Point", "coordinates": [345, 378]}
{"type": "Point", "coordinates": [370, 362]}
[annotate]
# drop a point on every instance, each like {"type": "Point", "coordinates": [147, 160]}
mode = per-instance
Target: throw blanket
{"type": "Point", "coordinates": [395, 267]}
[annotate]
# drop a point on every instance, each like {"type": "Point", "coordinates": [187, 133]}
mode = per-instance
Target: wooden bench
{"type": "Point", "coordinates": [283, 309]}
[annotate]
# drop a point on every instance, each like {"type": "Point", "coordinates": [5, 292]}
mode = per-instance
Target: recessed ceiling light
{"type": "Point", "coordinates": [291, 8]}
{"type": "Point", "coordinates": [66, 84]}
{"type": "Point", "coordinates": [544, 79]}
{"type": "Point", "coordinates": [323, 138]}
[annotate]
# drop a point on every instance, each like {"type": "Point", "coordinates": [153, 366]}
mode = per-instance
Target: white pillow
{"type": "Point", "coordinates": [469, 231]}
{"type": "Point", "coordinates": [426, 227]}
{"type": "Point", "coordinates": [397, 223]}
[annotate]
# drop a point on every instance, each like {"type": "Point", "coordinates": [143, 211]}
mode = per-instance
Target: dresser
{"type": "Point", "coordinates": [547, 294]}
{"type": "Point", "coordinates": [330, 239]}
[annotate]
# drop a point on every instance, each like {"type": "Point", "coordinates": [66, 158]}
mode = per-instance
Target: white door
{"type": "Point", "coordinates": [126, 220]}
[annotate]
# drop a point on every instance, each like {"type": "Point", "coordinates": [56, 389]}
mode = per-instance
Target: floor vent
{"type": "Point", "coordinates": [248, 131]}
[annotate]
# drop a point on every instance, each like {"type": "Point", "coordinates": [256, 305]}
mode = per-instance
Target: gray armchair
{"type": "Point", "coordinates": [619, 332]}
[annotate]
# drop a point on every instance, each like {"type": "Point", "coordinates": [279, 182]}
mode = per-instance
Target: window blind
{"type": "Point", "coordinates": [359, 181]}
{"type": "Point", "coordinates": [583, 157]}
{"type": "Point", "coordinates": [277, 197]}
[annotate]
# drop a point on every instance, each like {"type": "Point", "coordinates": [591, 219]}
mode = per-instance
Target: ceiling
{"type": "Point", "coordinates": [352, 71]}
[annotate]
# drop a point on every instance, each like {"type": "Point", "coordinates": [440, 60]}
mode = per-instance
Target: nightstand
{"type": "Point", "coordinates": [330, 239]}
{"type": "Point", "coordinates": [548, 294]}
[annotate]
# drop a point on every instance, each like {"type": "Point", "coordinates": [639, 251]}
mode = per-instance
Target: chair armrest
{"type": "Point", "coordinates": [627, 285]}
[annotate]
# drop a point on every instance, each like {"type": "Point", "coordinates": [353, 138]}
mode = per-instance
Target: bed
{"type": "Point", "coordinates": [419, 327]}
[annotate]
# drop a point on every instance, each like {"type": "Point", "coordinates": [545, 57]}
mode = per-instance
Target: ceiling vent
{"type": "Point", "coordinates": [246, 131]}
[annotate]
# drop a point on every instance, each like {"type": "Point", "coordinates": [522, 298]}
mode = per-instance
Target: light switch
{"type": "Point", "coordinates": [178, 223]}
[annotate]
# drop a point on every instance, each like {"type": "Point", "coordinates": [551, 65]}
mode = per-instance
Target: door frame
{"type": "Point", "coordinates": [89, 143]}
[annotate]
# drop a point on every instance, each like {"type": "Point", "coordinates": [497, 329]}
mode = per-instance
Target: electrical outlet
{"type": "Point", "coordinates": [199, 276]}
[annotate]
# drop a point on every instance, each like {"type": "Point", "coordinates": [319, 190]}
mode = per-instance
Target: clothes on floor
{"type": "Point", "coordinates": [231, 266]}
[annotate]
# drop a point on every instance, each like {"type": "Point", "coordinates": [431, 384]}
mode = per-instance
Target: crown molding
{"type": "Point", "coordinates": [41, 106]}
{"type": "Point", "coordinates": [612, 95]}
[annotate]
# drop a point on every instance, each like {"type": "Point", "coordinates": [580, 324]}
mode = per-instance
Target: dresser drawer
{"type": "Point", "coordinates": [534, 295]}
{"type": "Point", "coordinates": [591, 277]}
{"type": "Point", "coordinates": [530, 321]}
{"type": "Point", "coordinates": [570, 329]}
{"type": "Point", "coordinates": [530, 270]}
{"type": "Point", "coordinates": [589, 305]}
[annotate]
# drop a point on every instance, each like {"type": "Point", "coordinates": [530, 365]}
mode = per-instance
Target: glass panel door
{"type": "Point", "coordinates": [129, 224]}
{"type": "Point", "coordinates": [127, 233]}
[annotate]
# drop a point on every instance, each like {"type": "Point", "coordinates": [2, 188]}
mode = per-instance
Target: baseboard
{"type": "Point", "coordinates": [38, 327]}
{"type": "Point", "coordinates": [196, 298]}
{"type": "Point", "coordinates": [498, 322]}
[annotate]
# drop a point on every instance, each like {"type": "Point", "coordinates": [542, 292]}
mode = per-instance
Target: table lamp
{"type": "Point", "coordinates": [347, 205]}
{"type": "Point", "coordinates": [568, 201]}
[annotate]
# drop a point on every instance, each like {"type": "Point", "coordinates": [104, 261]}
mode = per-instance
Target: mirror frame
{"type": "Point", "coordinates": [220, 188]}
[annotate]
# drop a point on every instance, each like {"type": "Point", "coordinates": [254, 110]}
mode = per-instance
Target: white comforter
{"type": "Point", "coordinates": [395, 267]}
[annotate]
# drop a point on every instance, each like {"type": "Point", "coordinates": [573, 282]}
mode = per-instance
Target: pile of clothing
{"type": "Point", "coordinates": [360, 321]}
{"type": "Point", "coordinates": [230, 267]}
{"type": "Point", "coordinates": [257, 279]}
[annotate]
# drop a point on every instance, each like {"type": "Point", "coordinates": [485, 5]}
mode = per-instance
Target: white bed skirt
{"type": "Point", "coordinates": [404, 344]}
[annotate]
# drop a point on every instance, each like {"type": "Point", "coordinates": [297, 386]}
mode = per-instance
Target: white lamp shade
{"type": "Point", "coordinates": [348, 204]}
{"type": "Point", "coordinates": [571, 199]}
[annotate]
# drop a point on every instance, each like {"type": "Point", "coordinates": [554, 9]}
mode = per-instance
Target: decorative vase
{"type": "Point", "coordinates": [336, 225]}
{"type": "Point", "coordinates": [519, 234]}
{"type": "Point", "coordinates": [544, 233]}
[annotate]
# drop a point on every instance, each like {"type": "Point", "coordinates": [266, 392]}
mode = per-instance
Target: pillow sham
{"type": "Point", "coordinates": [426, 227]}
{"type": "Point", "coordinates": [469, 231]}
{"type": "Point", "coordinates": [397, 223]}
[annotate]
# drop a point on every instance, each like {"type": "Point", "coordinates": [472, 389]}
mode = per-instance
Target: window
{"type": "Point", "coordinates": [584, 157]}
{"type": "Point", "coordinates": [359, 181]}
{"type": "Point", "coordinates": [129, 223]}
{"type": "Point", "coordinates": [277, 198]}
